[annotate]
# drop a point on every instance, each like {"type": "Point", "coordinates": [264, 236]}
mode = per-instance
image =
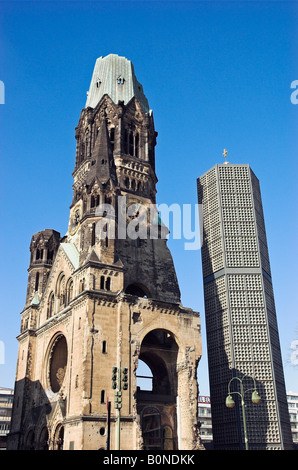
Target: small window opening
{"type": "Point", "coordinates": [136, 145]}
{"type": "Point", "coordinates": [126, 141]}
{"type": "Point", "coordinates": [120, 80]}
{"type": "Point", "coordinates": [130, 144]}
{"type": "Point", "coordinates": [36, 281]}
{"type": "Point", "coordinates": [112, 138]}
{"type": "Point", "coordinates": [93, 235]}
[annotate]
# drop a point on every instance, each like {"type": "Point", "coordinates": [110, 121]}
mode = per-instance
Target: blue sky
{"type": "Point", "coordinates": [217, 75]}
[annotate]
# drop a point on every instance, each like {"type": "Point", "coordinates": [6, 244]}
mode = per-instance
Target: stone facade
{"type": "Point", "coordinates": [96, 301]}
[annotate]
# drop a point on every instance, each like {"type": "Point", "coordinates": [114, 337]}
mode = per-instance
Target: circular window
{"type": "Point", "coordinates": [58, 363]}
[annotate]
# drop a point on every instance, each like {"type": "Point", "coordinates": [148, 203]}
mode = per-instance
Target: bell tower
{"type": "Point", "coordinates": [111, 300]}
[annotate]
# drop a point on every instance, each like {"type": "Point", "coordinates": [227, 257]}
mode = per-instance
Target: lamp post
{"type": "Point", "coordinates": [255, 398]}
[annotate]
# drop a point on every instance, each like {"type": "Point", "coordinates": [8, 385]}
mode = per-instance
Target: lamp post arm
{"type": "Point", "coordinates": [233, 378]}
{"type": "Point", "coordinates": [238, 393]}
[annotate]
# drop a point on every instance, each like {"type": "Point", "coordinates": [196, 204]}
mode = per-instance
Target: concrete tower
{"type": "Point", "coordinates": [105, 297]}
{"type": "Point", "coordinates": [242, 332]}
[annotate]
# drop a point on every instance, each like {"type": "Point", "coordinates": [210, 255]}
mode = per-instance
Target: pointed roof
{"type": "Point", "coordinates": [114, 75]}
{"type": "Point", "coordinates": [93, 257]}
{"type": "Point", "coordinates": [72, 253]}
{"type": "Point", "coordinates": [35, 300]}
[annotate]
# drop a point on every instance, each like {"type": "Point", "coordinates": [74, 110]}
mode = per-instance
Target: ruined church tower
{"type": "Point", "coordinates": [102, 300]}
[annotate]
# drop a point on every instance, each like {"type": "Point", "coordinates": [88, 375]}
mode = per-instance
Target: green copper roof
{"type": "Point", "coordinates": [72, 253]}
{"type": "Point", "coordinates": [114, 75]}
{"type": "Point", "coordinates": [35, 300]}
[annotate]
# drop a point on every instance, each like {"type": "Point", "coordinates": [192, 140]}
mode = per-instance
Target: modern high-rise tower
{"type": "Point", "coordinates": [241, 326]}
{"type": "Point", "coordinates": [102, 299]}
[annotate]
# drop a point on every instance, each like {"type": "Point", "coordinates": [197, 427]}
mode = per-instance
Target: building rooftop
{"type": "Point", "coordinates": [114, 75]}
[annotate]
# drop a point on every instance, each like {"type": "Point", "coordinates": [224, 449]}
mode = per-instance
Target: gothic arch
{"type": "Point", "coordinates": [58, 437]}
{"type": "Point", "coordinates": [69, 292]}
{"type": "Point", "coordinates": [43, 440]}
{"type": "Point", "coordinates": [159, 350]}
{"type": "Point", "coordinates": [60, 290]}
{"type": "Point", "coordinates": [50, 305]}
{"type": "Point", "coordinates": [30, 439]}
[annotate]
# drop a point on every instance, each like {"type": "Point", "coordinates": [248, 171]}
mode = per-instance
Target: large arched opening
{"type": "Point", "coordinates": [138, 290]}
{"type": "Point", "coordinates": [157, 390]}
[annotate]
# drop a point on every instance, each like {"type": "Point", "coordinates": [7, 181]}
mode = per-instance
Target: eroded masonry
{"type": "Point", "coordinates": [98, 307]}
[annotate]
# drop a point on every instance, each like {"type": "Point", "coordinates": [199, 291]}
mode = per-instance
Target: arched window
{"type": "Point", "coordinates": [151, 428]}
{"type": "Point", "coordinates": [168, 443]}
{"type": "Point", "coordinates": [30, 440]}
{"type": "Point", "coordinates": [60, 290]}
{"type": "Point", "coordinates": [69, 291]}
{"type": "Point", "coordinates": [102, 282]}
{"type": "Point", "coordinates": [59, 438]}
{"type": "Point", "coordinates": [50, 309]}
{"type": "Point", "coordinates": [43, 439]}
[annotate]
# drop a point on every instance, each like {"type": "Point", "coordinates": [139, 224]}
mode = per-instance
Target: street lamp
{"type": "Point", "coordinates": [255, 398]}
